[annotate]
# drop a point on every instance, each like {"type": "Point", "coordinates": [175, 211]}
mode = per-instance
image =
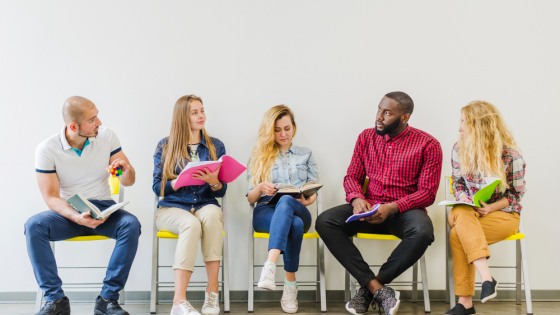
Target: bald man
{"type": "Point", "coordinates": [78, 160]}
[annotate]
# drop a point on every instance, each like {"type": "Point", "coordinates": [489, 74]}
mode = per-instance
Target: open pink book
{"type": "Point", "coordinates": [231, 169]}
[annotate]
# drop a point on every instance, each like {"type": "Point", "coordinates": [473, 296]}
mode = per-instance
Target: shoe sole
{"type": "Point", "coordinates": [352, 311]}
{"type": "Point", "coordinates": [394, 310]}
{"type": "Point", "coordinates": [212, 312]}
{"type": "Point", "coordinates": [270, 288]}
{"type": "Point", "coordinates": [488, 298]}
{"type": "Point", "coordinates": [287, 310]}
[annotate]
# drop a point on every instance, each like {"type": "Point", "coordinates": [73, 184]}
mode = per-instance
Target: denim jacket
{"type": "Point", "coordinates": [188, 197]}
{"type": "Point", "coordinates": [296, 168]}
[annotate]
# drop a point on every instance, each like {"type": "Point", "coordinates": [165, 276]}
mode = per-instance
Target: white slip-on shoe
{"type": "Point", "coordinates": [289, 299]}
{"type": "Point", "coordinates": [268, 279]}
{"type": "Point", "coordinates": [211, 304]}
{"type": "Point", "coordinates": [185, 308]}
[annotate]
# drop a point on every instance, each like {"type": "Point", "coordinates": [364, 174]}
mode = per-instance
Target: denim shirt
{"type": "Point", "coordinates": [189, 197]}
{"type": "Point", "coordinates": [296, 168]}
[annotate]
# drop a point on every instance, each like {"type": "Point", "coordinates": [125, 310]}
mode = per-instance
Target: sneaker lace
{"type": "Point", "coordinates": [114, 305]}
{"type": "Point", "coordinates": [211, 301]}
{"type": "Point", "coordinates": [187, 306]}
{"type": "Point", "coordinates": [268, 274]}
{"type": "Point", "coordinates": [290, 293]}
{"type": "Point", "coordinates": [48, 306]}
{"type": "Point", "coordinates": [376, 305]}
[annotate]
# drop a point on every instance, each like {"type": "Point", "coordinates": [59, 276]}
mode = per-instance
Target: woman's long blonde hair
{"type": "Point", "coordinates": [176, 150]}
{"type": "Point", "coordinates": [266, 149]}
{"type": "Point", "coordinates": [485, 136]}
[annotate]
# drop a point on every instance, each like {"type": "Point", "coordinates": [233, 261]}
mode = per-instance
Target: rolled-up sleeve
{"type": "Point", "coordinates": [220, 151]}
{"type": "Point", "coordinates": [312, 168]}
{"type": "Point", "coordinates": [249, 187]}
{"type": "Point", "coordinates": [457, 180]}
{"type": "Point", "coordinates": [428, 181]}
{"type": "Point", "coordinates": [356, 172]}
{"type": "Point", "coordinates": [515, 176]}
{"type": "Point", "coordinates": [158, 172]}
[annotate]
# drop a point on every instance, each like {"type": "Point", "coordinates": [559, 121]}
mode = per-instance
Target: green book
{"type": "Point", "coordinates": [483, 195]}
{"type": "Point", "coordinates": [81, 204]}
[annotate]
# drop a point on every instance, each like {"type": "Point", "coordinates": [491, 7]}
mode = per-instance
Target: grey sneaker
{"type": "Point", "coordinates": [489, 290]}
{"type": "Point", "coordinates": [387, 300]}
{"type": "Point", "coordinates": [359, 304]}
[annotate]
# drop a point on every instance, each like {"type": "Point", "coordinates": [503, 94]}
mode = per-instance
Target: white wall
{"type": "Point", "coordinates": [330, 61]}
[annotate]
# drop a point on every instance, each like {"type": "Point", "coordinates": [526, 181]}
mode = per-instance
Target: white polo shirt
{"type": "Point", "coordinates": [83, 174]}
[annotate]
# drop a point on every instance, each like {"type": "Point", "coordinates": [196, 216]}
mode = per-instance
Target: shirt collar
{"type": "Point", "coordinates": [293, 149]}
{"type": "Point", "coordinates": [401, 135]}
{"type": "Point", "coordinates": [203, 141]}
{"type": "Point", "coordinates": [66, 145]}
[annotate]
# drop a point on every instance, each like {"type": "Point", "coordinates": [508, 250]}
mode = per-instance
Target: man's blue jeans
{"type": "Point", "coordinates": [286, 222]}
{"type": "Point", "coordinates": [48, 226]}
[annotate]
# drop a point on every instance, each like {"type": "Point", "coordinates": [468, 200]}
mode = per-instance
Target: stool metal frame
{"type": "Point", "coordinates": [350, 289]}
{"type": "Point", "coordinates": [319, 283]}
{"type": "Point", "coordinates": [40, 293]}
{"type": "Point", "coordinates": [521, 266]}
{"type": "Point", "coordinates": [156, 284]}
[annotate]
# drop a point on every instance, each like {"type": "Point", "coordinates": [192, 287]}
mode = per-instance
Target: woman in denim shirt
{"type": "Point", "coordinates": [275, 160]}
{"type": "Point", "coordinates": [192, 212]}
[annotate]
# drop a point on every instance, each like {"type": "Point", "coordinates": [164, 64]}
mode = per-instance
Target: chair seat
{"type": "Point", "coordinates": [267, 235]}
{"type": "Point", "coordinates": [516, 236]}
{"type": "Point", "coordinates": [165, 234]}
{"type": "Point", "coordinates": [377, 236]}
{"type": "Point", "coordinates": [87, 238]}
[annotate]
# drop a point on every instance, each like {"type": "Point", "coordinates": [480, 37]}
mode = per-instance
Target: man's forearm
{"type": "Point", "coordinates": [393, 208]}
{"type": "Point", "coordinates": [63, 208]}
{"type": "Point", "coordinates": [129, 178]}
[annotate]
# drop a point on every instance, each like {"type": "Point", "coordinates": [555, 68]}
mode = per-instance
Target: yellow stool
{"type": "Point", "coordinates": [319, 283]}
{"type": "Point", "coordinates": [520, 265]}
{"type": "Point", "coordinates": [156, 284]}
{"type": "Point", "coordinates": [350, 289]}
{"type": "Point", "coordinates": [116, 189]}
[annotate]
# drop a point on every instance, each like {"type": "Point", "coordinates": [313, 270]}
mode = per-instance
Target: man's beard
{"type": "Point", "coordinates": [90, 135]}
{"type": "Point", "coordinates": [388, 128]}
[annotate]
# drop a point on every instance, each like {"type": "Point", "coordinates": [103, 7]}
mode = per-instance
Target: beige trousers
{"type": "Point", "coordinates": [469, 239]}
{"type": "Point", "coordinates": [206, 224]}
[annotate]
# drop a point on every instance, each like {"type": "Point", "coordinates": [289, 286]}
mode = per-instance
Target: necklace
{"type": "Point", "coordinates": [194, 152]}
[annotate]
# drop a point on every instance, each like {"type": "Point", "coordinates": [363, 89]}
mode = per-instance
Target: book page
{"type": "Point", "coordinates": [199, 163]}
{"type": "Point", "coordinates": [286, 188]}
{"type": "Point", "coordinates": [107, 212]}
{"type": "Point", "coordinates": [310, 184]}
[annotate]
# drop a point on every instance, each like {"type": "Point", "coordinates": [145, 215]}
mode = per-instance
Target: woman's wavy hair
{"type": "Point", "coordinates": [176, 150]}
{"type": "Point", "coordinates": [485, 136]}
{"type": "Point", "coordinates": [266, 149]}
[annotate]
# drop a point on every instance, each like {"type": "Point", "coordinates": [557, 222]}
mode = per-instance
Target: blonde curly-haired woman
{"type": "Point", "coordinates": [276, 160]}
{"type": "Point", "coordinates": [485, 149]}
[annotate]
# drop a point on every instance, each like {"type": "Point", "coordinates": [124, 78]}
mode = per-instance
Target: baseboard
{"type": "Point", "coordinates": [264, 296]}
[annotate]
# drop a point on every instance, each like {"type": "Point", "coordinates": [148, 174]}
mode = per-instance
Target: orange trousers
{"type": "Point", "coordinates": [469, 239]}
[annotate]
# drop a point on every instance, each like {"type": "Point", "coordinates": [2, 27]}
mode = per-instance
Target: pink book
{"type": "Point", "coordinates": [231, 169]}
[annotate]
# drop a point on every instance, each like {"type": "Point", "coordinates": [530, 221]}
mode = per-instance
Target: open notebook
{"type": "Point", "coordinates": [307, 190]}
{"type": "Point", "coordinates": [230, 170]}
{"type": "Point", "coordinates": [483, 194]}
{"type": "Point", "coordinates": [81, 204]}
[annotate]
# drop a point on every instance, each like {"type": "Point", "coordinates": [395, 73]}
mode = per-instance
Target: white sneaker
{"type": "Point", "coordinates": [185, 308]}
{"type": "Point", "coordinates": [211, 304]}
{"type": "Point", "coordinates": [268, 280]}
{"type": "Point", "coordinates": [289, 299]}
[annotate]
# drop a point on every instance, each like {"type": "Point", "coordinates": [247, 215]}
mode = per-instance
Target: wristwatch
{"type": "Point", "coordinates": [216, 186]}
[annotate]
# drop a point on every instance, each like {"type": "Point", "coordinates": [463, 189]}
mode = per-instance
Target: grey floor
{"type": "Point", "coordinates": [309, 308]}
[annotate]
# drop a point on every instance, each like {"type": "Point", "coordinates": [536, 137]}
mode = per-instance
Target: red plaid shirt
{"type": "Point", "coordinates": [405, 170]}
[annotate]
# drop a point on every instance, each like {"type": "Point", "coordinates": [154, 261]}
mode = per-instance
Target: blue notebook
{"type": "Point", "coordinates": [358, 216]}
